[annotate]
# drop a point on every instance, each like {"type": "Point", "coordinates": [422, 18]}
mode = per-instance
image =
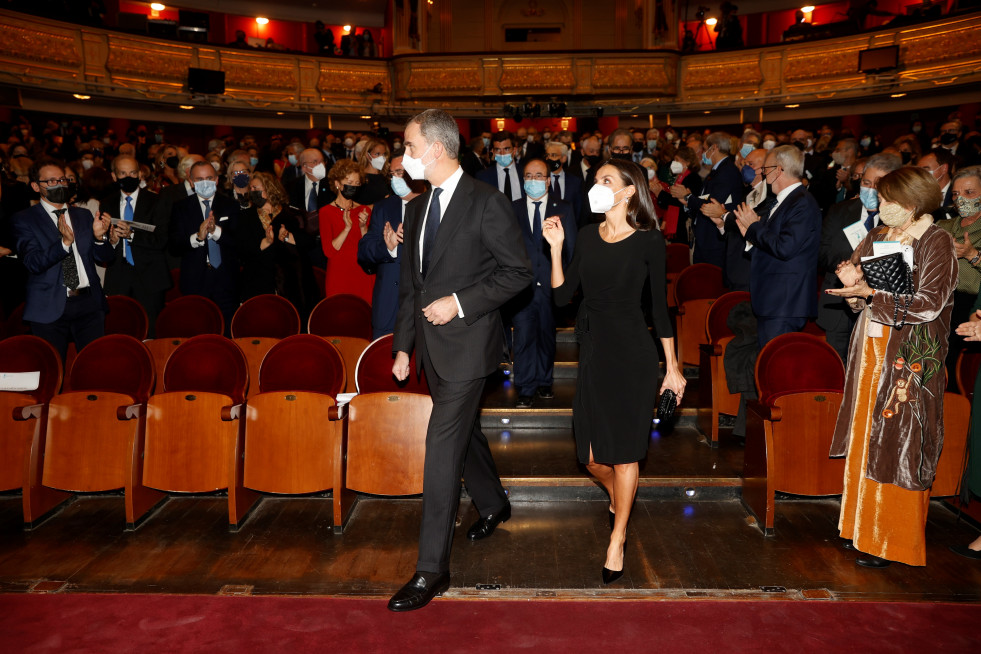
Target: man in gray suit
{"type": "Point", "coordinates": [464, 257]}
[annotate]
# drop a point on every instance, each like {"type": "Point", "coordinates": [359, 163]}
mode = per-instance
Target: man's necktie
{"type": "Point", "coordinates": [764, 208]}
{"type": "Point", "coordinates": [536, 224]}
{"type": "Point", "coordinates": [214, 250]}
{"type": "Point", "coordinates": [432, 225]}
{"type": "Point", "coordinates": [312, 200]}
{"type": "Point", "coordinates": [128, 217]}
{"type": "Point", "coordinates": [69, 269]}
{"type": "Point", "coordinates": [507, 183]}
{"type": "Point", "coordinates": [557, 186]}
{"type": "Point", "coordinates": [870, 221]}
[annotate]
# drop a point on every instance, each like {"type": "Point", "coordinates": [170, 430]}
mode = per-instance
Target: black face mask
{"type": "Point", "coordinates": [57, 194]}
{"type": "Point", "coordinates": [799, 145]}
{"type": "Point", "coordinates": [638, 146]}
{"type": "Point", "coordinates": [349, 191]}
{"type": "Point", "coordinates": [948, 139]}
{"type": "Point", "coordinates": [906, 157]}
{"type": "Point", "coordinates": [592, 159]}
{"type": "Point", "coordinates": [257, 199]}
{"type": "Point", "coordinates": [172, 162]}
{"type": "Point", "coordinates": [72, 190]}
{"type": "Point", "coordinates": [129, 184]}
{"type": "Point", "coordinates": [554, 165]}
{"type": "Point", "coordinates": [621, 155]}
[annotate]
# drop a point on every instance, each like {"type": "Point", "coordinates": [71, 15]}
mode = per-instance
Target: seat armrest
{"type": "Point", "coordinates": [233, 412]}
{"type": "Point", "coordinates": [130, 411]}
{"type": "Point", "coordinates": [337, 412]}
{"type": "Point", "coordinates": [765, 411]}
{"type": "Point", "coordinates": [28, 412]}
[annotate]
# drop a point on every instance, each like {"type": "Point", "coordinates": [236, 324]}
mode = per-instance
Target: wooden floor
{"type": "Point", "coordinates": [689, 535]}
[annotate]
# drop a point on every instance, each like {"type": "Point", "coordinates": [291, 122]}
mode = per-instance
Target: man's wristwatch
{"type": "Point", "coordinates": [977, 257]}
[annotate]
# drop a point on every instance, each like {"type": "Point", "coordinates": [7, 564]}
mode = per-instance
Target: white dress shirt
{"type": "Point", "coordinates": [449, 187]}
{"type": "Point", "coordinates": [83, 277]}
{"type": "Point", "coordinates": [214, 236]}
{"type": "Point", "coordinates": [515, 180]}
{"type": "Point", "coordinates": [561, 188]}
{"type": "Point", "coordinates": [394, 253]}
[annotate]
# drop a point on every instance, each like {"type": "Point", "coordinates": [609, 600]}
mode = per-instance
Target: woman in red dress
{"type": "Point", "coordinates": [342, 224]}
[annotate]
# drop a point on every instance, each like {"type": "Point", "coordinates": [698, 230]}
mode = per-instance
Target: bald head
{"type": "Point", "coordinates": [309, 159]}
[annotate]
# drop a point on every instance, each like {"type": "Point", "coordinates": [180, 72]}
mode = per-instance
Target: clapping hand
{"type": "Point", "coordinates": [363, 221]}
{"type": "Point", "coordinates": [67, 235]}
{"type": "Point", "coordinates": [714, 210]}
{"type": "Point", "coordinates": [971, 330]}
{"type": "Point", "coordinates": [745, 217]}
{"type": "Point", "coordinates": [101, 225]}
{"type": "Point", "coordinates": [964, 249]}
{"type": "Point", "coordinates": [854, 282]}
{"type": "Point", "coordinates": [284, 235]}
{"type": "Point", "coordinates": [553, 231]}
{"type": "Point", "coordinates": [392, 237]}
{"type": "Point", "coordinates": [269, 238]}
{"type": "Point", "coordinates": [678, 191]}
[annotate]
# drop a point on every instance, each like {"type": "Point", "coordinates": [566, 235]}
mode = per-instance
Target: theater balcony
{"type": "Point", "coordinates": [44, 63]}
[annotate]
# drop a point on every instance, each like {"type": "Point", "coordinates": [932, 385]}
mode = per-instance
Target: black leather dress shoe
{"type": "Point", "coordinates": [545, 392]}
{"type": "Point", "coordinates": [417, 593]}
{"type": "Point", "coordinates": [486, 526]}
{"type": "Point", "coordinates": [848, 545]}
{"type": "Point", "coordinates": [524, 402]}
{"type": "Point", "coordinates": [871, 561]}
{"type": "Point", "coordinates": [966, 552]}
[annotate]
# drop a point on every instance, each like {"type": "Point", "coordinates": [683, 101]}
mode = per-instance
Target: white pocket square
{"type": "Point", "coordinates": [223, 218]}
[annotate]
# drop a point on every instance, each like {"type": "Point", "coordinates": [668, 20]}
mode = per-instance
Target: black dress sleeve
{"type": "Point", "coordinates": [562, 295]}
{"type": "Point", "coordinates": [656, 259]}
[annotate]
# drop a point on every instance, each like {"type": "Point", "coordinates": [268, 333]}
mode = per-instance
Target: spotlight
{"type": "Point", "coordinates": [711, 22]}
{"type": "Point", "coordinates": [690, 492]}
{"type": "Point", "coordinates": [79, 96]}
{"type": "Point", "coordinates": [347, 29]}
{"type": "Point", "coordinates": [157, 6]}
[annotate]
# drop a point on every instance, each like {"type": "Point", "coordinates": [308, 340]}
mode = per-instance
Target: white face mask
{"type": "Point", "coordinates": [378, 162]}
{"type": "Point", "coordinates": [677, 167]}
{"type": "Point", "coordinates": [601, 198]}
{"type": "Point", "coordinates": [415, 167]}
{"type": "Point", "coordinates": [650, 174]}
{"type": "Point", "coordinates": [319, 171]}
{"type": "Point", "coordinates": [215, 165]}
{"type": "Point", "coordinates": [893, 215]}
{"type": "Point", "coordinates": [769, 145]}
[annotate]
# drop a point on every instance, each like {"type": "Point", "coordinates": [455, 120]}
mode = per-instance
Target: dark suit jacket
{"type": "Point", "coordinates": [724, 184]}
{"type": "Point", "coordinates": [480, 256]}
{"type": "Point", "coordinates": [783, 277]}
{"type": "Point", "coordinates": [281, 268]}
{"type": "Point", "coordinates": [149, 248]}
{"type": "Point", "coordinates": [571, 192]}
{"type": "Point", "coordinates": [373, 256]}
{"type": "Point", "coordinates": [299, 201]}
{"type": "Point", "coordinates": [489, 176]}
{"type": "Point", "coordinates": [187, 220]}
{"type": "Point", "coordinates": [540, 255]}
{"type": "Point", "coordinates": [40, 248]}
{"type": "Point", "coordinates": [833, 312]}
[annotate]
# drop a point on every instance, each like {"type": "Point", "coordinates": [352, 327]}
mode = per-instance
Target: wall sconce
{"type": "Point", "coordinates": [347, 29]}
{"type": "Point", "coordinates": [711, 21]}
{"type": "Point", "coordinates": [157, 6]}
{"type": "Point", "coordinates": [807, 11]}
{"type": "Point", "coordinates": [565, 123]}
{"type": "Point", "coordinates": [262, 21]}
{"type": "Point", "coordinates": [500, 123]}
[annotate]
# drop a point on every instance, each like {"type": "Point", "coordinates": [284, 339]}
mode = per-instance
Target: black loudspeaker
{"type": "Point", "coordinates": [878, 60]}
{"type": "Point", "coordinates": [205, 82]}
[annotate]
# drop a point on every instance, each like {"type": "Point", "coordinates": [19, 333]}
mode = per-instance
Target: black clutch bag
{"type": "Point", "coordinates": [889, 273]}
{"type": "Point", "coordinates": [667, 405]}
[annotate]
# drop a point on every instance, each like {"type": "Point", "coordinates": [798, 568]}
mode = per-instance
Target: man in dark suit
{"type": "Point", "coordinates": [723, 184]}
{"type": "Point", "coordinates": [380, 250]}
{"type": "Point", "coordinates": [533, 312]}
{"type": "Point", "coordinates": [203, 232]}
{"type": "Point", "coordinates": [786, 237]}
{"type": "Point", "coordinates": [463, 259]}
{"type": "Point", "coordinates": [505, 174]}
{"type": "Point", "coordinates": [308, 194]}
{"type": "Point", "coordinates": [563, 186]}
{"type": "Point", "coordinates": [59, 246]}
{"type": "Point", "coordinates": [835, 317]}
{"type": "Point", "coordinates": [140, 267]}
{"type": "Point", "coordinates": [941, 164]}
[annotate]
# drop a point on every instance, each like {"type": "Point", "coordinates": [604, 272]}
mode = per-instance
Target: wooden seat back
{"type": "Point", "coordinates": [374, 371]}
{"type": "Point", "coordinates": [189, 315]}
{"type": "Point", "coordinates": [341, 315]}
{"type": "Point", "coordinates": [386, 446]}
{"type": "Point", "coordinates": [351, 348]}
{"type": "Point", "coordinates": [303, 363]}
{"type": "Point", "coordinates": [255, 350]}
{"type": "Point", "coordinates": [677, 258]}
{"type": "Point", "coordinates": [696, 289]}
{"type": "Point", "coordinates": [126, 316]}
{"type": "Point", "coordinates": [266, 316]}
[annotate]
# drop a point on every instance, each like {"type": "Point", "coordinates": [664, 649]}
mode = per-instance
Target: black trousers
{"type": "Point", "coordinates": [82, 321]}
{"type": "Point", "coordinates": [125, 282]}
{"type": "Point", "coordinates": [768, 328]}
{"type": "Point", "coordinates": [455, 447]}
{"type": "Point", "coordinates": [534, 342]}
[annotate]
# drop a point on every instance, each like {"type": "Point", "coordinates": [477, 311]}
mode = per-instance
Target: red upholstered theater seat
{"type": "Point", "coordinates": [713, 391]}
{"type": "Point", "coordinates": [187, 316]}
{"type": "Point", "coordinates": [678, 257]}
{"type": "Point", "coordinates": [341, 315]}
{"type": "Point", "coordinates": [800, 379]}
{"type": "Point", "coordinates": [126, 316]}
{"type": "Point", "coordinates": [968, 364]}
{"type": "Point", "coordinates": [696, 289]}
{"type": "Point", "coordinates": [266, 316]}
{"type": "Point", "coordinates": [374, 371]}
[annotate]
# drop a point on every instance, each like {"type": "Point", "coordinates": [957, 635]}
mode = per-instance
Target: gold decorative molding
{"type": "Point", "coordinates": [32, 46]}
{"type": "Point", "coordinates": [821, 65]}
{"type": "Point", "coordinates": [444, 78]}
{"type": "Point", "coordinates": [631, 76]}
{"type": "Point", "coordinates": [740, 73]}
{"type": "Point", "coordinates": [333, 80]}
{"type": "Point", "coordinates": [242, 73]}
{"type": "Point", "coordinates": [537, 77]}
{"type": "Point", "coordinates": [942, 46]}
{"type": "Point", "coordinates": [138, 64]}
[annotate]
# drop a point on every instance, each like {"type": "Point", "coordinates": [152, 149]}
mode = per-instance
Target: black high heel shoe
{"type": "Point", "coordinates": [609, 576]}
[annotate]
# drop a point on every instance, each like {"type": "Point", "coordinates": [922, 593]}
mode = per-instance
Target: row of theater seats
{"type": "Point", "coordinates": [800, 382]}
{"type": "Point", "coordinates": [201, 428]}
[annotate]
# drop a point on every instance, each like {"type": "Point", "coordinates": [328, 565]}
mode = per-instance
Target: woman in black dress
{"type": "Point", "coordinates": [617, 386]}
{"type": "Point", "coordinates": [273, 249]}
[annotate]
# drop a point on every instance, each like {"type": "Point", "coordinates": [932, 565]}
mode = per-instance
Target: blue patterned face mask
{"type": "Point", "coordinates": [869, 198]}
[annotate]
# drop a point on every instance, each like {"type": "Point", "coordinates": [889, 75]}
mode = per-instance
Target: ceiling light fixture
{"type": "Point", "coordinates": [262, 20]}
{"type": "Point", "coordinates": [897, 95]}
{"type": "Point", "coordinates": [186, 106]}
{"type": "Point", "coordinates": [791, 106]}
{"type": "Point", "coordinates": [79, 96]}
{"type": "Point", "coordinates": [157, 6]}
{"type": "Point", "coordinates": [808, 9]}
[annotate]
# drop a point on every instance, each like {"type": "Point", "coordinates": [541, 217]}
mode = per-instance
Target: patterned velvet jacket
{"type": "Point", "coordinates": [907, 419]}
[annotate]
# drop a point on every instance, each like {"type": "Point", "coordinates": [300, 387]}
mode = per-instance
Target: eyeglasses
{"type": "Point", "coordinates": [536, 176]}
{"type": "Point", "coordinates": [765, 170]}
{"type": "Point", "coordinates": [621, 150]}
{"type": "Point", "coordinates": [396, 173]}
{"type": "Point", "coordinates": [53, 181]}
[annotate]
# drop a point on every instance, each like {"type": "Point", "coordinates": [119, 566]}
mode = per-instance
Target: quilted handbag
{"type": "Point", "coordinates": [889, 273]}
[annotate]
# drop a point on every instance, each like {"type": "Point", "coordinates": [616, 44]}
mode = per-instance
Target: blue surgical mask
{"type": "Point", "coordinates": [706, 160]}
{"type": "Point", "coordinates": [869, 198]}
{"type": "Point", "coordinates": [206, 188]}
{"type": "Point", "coordinates": [535, 188]}
{"type": "Point", "coordinates": [400, 187]}
{"type": "Point", "coordinates": [486, 142]}
{"type": "Point", "coordinates": [866, 142]}
{"type": "Point", "coordinates": [746, 149]}
{"type": "Point", "coordinates": [748, 174]}
{"type": "Point", "coordinates": [504, 160]}
{"type": "Point", "coordinates": [253, 161]}
{"type": "Point", "coordinates": [651, 145]}
{"type": "Point", "coordinates": [292, 159]}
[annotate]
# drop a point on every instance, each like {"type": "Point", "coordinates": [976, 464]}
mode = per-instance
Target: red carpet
{"type": "Point", "coordinates": [182, 623]}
